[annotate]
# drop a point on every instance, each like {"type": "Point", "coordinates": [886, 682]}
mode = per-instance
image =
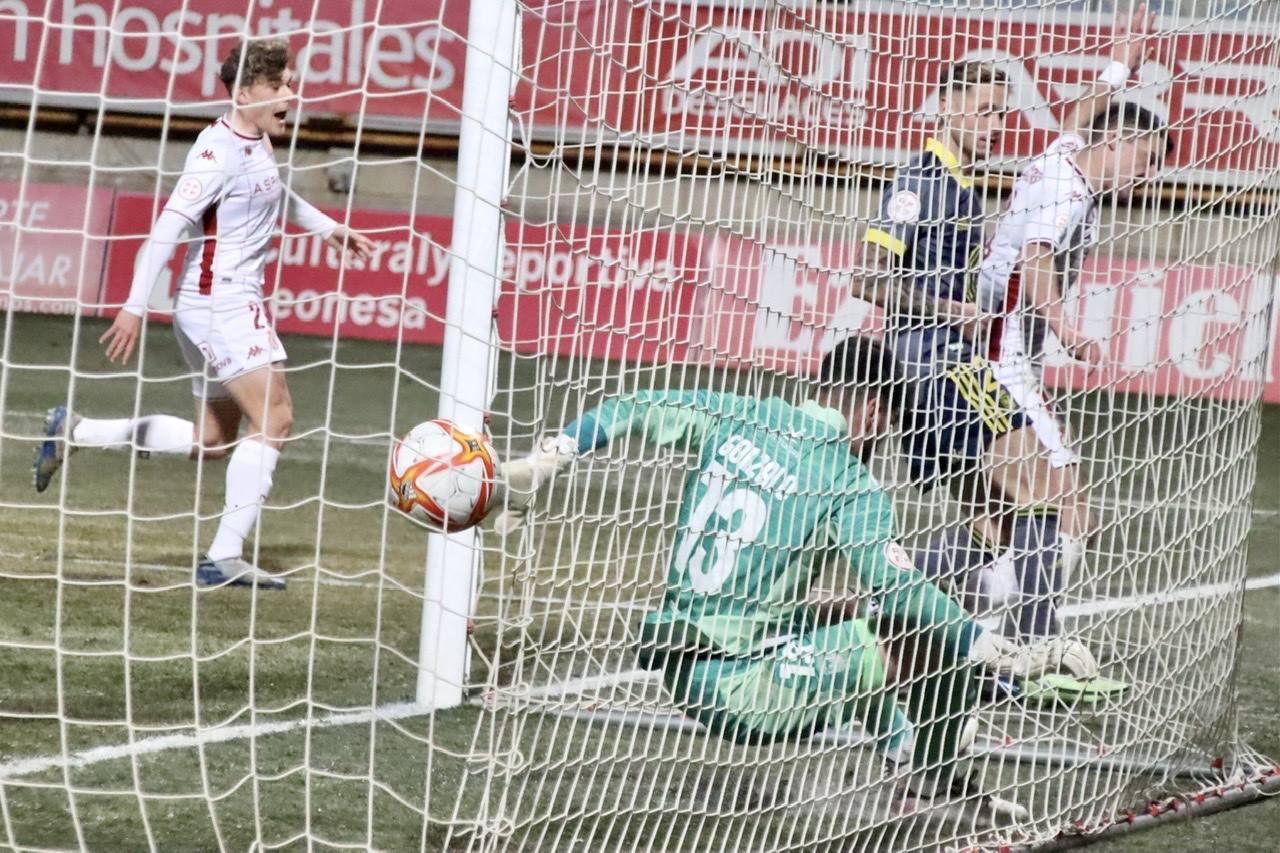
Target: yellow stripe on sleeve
{"type": "Point", "coordinates": [885, 240]}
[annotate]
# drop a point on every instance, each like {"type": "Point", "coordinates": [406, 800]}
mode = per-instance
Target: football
{"type": "Point", "coordinates": [443, 475]}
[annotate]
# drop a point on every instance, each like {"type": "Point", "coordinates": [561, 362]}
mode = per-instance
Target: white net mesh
{"type": "Point", "coordinates": [690, 187]}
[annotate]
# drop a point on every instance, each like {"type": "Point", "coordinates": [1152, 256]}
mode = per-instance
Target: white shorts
{"type": "Point", "coordinates": [1020, 380]}
{"type": "Point", "coordinates": [224, 340]}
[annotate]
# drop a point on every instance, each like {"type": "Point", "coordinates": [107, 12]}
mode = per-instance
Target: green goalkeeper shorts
{"type": "Point", "coordinates": [808, 682]}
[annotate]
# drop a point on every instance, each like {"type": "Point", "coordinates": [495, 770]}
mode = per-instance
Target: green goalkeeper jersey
{"type": "Point", "coordinates": [777, 497]}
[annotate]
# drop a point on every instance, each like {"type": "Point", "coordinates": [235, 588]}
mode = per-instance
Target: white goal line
{"type": "Point", "coordinates": [203, 737]}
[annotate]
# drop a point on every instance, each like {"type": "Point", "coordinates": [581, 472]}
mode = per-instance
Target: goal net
{"type": "Point", "coordinates": [572, 202]}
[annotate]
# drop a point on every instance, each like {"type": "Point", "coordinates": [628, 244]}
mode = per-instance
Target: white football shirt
{"type": "Point", "coordinates": [1053, 204]}
{"type": "Point", "coordinates": [230, 195]}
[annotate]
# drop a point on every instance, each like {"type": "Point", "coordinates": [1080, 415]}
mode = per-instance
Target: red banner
{"type": "Point", "coordinates": [392, 61]}
{"type": "Point", "coordinates": [851, 80]}
{"type": "Point", "coordinates": [1178, 330]}
{"type": "Point", "coordinates": [52, 240]}
{"type": "Point", "coordinates": [659, 296]}
{"type": "Point", "coordinates": [862, 83]}
{"type": "Point", "coordinates": [565, 290]}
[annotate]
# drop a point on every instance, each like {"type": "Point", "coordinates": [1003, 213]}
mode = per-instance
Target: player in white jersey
{"type": "Point", "coordinates": [226, 210]}
{"type": "Point", "coordinates": [1035, 256]}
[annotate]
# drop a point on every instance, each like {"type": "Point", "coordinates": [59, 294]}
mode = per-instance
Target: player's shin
{"type": "Point", "coordinates": [1072, 556]}
{"type": "Point", "coordinates": [954, 557]}
{"type": "Point", "coordinates": [1036, 563]}
{"type": "Point", "coordinates": [249, 477]}
{"type": "Point", "coordinates": [940, 701]}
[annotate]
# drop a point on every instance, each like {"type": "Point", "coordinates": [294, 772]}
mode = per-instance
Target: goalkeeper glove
{"type": "Point", "coordinates": [1063, 654]}
{"type": "Point", "coordinates": [1002, 656]}
{"type": "Point", "coordinates": [1056, 654]}
{"type": "Point", "coordinates": [525, 476]}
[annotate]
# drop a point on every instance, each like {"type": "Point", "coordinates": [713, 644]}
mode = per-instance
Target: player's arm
{"type": "Point", "coordinates": [1132, 41]}
{"type": "Point", "coordinates": [907, 600]}
{"type": "Point", "coordinates": [311, 219]}
{"type": "Point", "coordinates": [862, 529]}
{"type": "Point", "coordinates": [1050, 208]}
{"type": "Point", "coordinates": [200, 186]}
{"type": "Point", "coordinates": [1043, 295]}
{"type": "Point", "coordinates": [661, 418]}
{"type": "Point", "coordinates": [879, 274]}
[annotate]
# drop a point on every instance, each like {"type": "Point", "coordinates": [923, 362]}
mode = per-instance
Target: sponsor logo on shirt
{"type": "Point", "coordinates": [266, 185]}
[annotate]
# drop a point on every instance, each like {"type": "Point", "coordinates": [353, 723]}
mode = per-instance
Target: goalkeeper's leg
{"type": "Point", "coordinates": [812, 681]}
{"type": "Point", "coordinates": [827, 677]}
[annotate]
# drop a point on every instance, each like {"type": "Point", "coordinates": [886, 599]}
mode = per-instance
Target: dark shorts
{"type": "Point", "coordinates": [954, 407]}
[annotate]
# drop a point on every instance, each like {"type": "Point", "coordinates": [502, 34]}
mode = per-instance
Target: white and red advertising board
{"type": "Point", "coordinates": [52, 243]}
{"type": "Point", "coordinates": [607, 294]}
{"type": "Point", "coordinates": [854, 79]}
{"type": "Point", "coordinates": [655, 295]}
{"type": "Point", "coordinates": [1185, 329]}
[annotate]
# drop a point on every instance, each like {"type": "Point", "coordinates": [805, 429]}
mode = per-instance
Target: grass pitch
{"type": "Point", "coordinates": [86, 642]}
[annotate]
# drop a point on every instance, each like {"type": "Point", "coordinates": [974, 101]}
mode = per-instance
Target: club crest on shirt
{"type": "Point", "coordinates": [903, 207]}
{"type": "Point", "coordinates": [190, 189]}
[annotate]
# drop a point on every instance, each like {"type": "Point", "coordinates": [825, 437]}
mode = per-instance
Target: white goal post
{"type": "Point", "coordinates": [574, 202]}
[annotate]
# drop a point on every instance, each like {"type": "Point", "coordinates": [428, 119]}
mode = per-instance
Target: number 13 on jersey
{"type": "Point", "coordinates": [727, 518]}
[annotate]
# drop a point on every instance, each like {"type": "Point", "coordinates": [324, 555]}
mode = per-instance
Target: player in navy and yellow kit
{"type": "Point", "coordinates": [921, 255]}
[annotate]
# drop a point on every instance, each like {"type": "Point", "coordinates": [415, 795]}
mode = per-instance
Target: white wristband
{"type": "Point", "coordinates": [1115, 75]}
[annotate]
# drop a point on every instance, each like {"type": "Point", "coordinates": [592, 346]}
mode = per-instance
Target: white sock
{"type": "Point", "coordinates": [152, 434]}
{"type": "Point", "coordinates": [248, 484]}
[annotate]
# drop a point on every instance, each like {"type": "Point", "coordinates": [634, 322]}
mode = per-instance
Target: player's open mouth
{"type": "Point", "coordinates": [281, 114]}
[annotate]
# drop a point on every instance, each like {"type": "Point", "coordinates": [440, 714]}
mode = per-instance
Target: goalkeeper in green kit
{"type": "Point", "coordinates": [781, 494]}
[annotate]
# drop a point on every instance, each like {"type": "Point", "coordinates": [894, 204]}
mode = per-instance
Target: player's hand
{"type": "Point", "coordinates": [353, 243]}
{"type": "Point", "coordinates": [971, 322]}
{"type": "Point", "coordinates": [1133, 40]}
{"type": "Point", "coordinates": [1086, 350]}
{"type": "Point", "coordinates": [523, 478]}
{"type": "Point", "coordinates": [1063, 654]}
{"type": "Point", "coordinates": [122, 337]}
{"type": "Point", "coordinates": [1001, 655]}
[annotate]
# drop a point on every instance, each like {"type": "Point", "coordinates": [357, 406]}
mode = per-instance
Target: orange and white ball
{"type": "Point", "coordinates": [444, 475]}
